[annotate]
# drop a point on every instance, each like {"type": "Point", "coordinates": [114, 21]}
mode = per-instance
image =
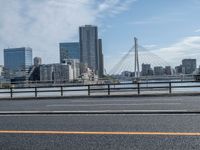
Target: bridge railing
{"type": "Point", "coordinates": [102, 89]}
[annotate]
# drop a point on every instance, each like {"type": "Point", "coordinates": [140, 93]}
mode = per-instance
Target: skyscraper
{"type": "Point", "coordinates": [17, 59]}
{"type": "Point", "coordinates": [88, 36]}
{"type": "Point", "coordinates": [69, 51]}
{"type": "Point", "coordinates": [101, 61]}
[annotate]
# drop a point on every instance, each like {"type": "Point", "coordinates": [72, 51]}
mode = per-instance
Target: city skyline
{"type": "Point", "coordinates": [188, 66]}
{"type": "Point", "coordinates": [164, 27]}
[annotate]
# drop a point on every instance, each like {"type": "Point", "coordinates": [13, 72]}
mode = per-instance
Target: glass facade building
{"type": "Point", "coordinates": [88, 37]}
{"type": "Point", "coordinates": [69, 51]}
{"type": "Point", "coordinates": [17, 59]}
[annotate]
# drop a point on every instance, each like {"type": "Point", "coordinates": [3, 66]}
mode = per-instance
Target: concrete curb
{"type": "Point", "coordinates": [178, 112]}
{"type": "Point", "coordinates": [101, 96]}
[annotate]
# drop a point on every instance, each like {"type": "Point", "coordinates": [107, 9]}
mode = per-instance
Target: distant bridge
{"type": "Point", "coordinates": [133, 59]}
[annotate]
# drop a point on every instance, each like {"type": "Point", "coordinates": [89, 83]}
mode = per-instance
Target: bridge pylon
{"type": "Point", "coordinates": [137, 67]}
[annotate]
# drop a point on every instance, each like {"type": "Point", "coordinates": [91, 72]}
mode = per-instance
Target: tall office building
{"type": "Point", "coordinates": [69, 51]}
{"type": "Point", "coordinates": [189, 66]}
{"type": "Point", "coordinates": [88, 37]}
{"type": "Point", "coordinates": [101, 61]}
{"type": "Point", "coordinates": [17, 60]}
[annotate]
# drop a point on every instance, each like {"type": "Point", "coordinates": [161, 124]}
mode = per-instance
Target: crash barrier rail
{"type": "Point", "coordinates": [107, 89]}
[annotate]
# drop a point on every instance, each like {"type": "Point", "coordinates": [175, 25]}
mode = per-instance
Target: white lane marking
{"type": "Point", "coordinates": [85, 115]}
{"type": "Point", "coordinates": [132, 100]}
{"type": "Point", "coordinates": [99, 111]}
{"type": "Point", "coordinates": [86, 105]}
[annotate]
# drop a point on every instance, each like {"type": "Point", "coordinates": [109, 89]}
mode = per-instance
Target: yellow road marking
{"type": "Point", "coordinates": [100, 133]}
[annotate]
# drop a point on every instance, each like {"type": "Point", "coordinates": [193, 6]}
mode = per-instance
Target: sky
{"type": "Point", "coordinates": [168, 28]}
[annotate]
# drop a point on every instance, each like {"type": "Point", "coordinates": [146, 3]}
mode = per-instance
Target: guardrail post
{"type": "Point", "coordinates": [108, 89]}
{"type": "Point", "coordinates": [11, 92]}
{"type": "Point", "coordinates": [170, 87]}
{"type": "Point", "coordinates": [35, 91]}
{"type": "Point", "coordinates": [88, 90]}
{"type": "Point", "coordinates": [138, 88]}
{"type": "Point", "coordinates": [61, 91]}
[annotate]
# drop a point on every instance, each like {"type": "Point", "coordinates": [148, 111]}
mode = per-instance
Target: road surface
{"type": "Point", "coordinates": [101, 131]}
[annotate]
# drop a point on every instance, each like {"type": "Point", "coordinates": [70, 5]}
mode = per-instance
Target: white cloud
{"type": "Point", "coordinates": [150, 46]}
{"type": "Point", "coordinates": [188, 47]}
{"type": "Point", "coordinates": [161, 19]}
{"type": "Point", "coordinates": [113, 7]}
{"type": "Point", "coordinates": [198, 30]}
{"type": "Point", "coordinates": [42, 24]}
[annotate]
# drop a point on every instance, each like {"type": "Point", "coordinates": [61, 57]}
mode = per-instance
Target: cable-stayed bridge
{"type": "Point", "coordinates": [132, 62]}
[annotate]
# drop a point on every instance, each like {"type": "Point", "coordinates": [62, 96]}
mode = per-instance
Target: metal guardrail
{"type": "Point", "coordinates": [108, 89]}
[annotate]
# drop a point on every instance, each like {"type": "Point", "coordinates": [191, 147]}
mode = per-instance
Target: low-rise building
{"type": "Point", "coordinates": [75, 64]}
{"type": "Point", "coordinates": [46, 72]}
{"type": "Point", "coordinates": [168, 70]}
{"type": "Point", "coordinates": [1, 70]}
{"type": "Point", "coordinates": [127, 74]}
{"type": "Point", "coordinates": [63, 73]}
{"type": "Point", "coordinates": [179, 69]}
{"type": "Point", "coordinates": [56, 73]}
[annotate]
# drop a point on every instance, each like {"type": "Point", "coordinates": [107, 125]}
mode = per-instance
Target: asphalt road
{"type": "Point", "coordinates": [101, 131]}
{"type": "Point", "coordinates": [102, 104]}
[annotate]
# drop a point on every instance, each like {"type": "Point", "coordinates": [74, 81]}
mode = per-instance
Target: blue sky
{"type": "Point", "coordinates": [169, 28]}
{"type": "Point", "coordinates": [166, 27]}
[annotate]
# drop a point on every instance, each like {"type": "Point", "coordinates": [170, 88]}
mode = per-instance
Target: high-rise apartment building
{"type": "Point", "coordinates": [88, 36]}
{"type": "Point", "coordinates": [189, 66]}
{"type": "Point", "coordinates": [69, 51]}
{"type": "Point", "coordinates": [17, 60]}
